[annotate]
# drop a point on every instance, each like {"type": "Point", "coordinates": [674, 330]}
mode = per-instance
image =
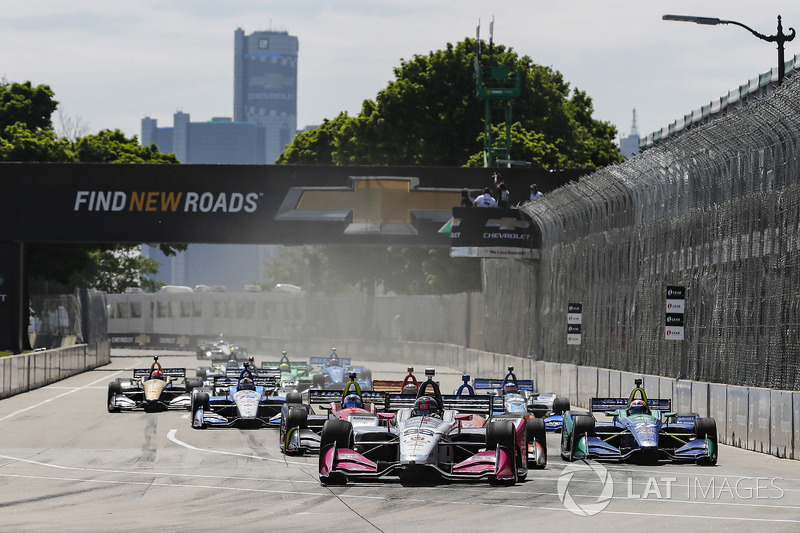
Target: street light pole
{"type": "Point", "coordinates": [779, 37]}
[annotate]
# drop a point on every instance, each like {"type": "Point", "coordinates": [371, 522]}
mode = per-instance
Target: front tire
{"type": "Point", "coordinates": [115, 387]}
{"type": "Point", "coordinates": [706, 428]}
{"type": "Point", "coordinates": [502, 434]}
{"type": "Point", "coordinates": [535, 433]}
{"type": "Point", "coordinates": [340, 434]}
{"type": "Point", "coordinates": [200, 399]}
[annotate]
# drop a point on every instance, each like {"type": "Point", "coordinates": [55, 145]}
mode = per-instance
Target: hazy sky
{"type": "Point", "coordinates": [111, 63]}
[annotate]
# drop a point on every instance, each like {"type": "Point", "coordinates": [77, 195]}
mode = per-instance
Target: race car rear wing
{"type": "Point", "coordinates": [465, 403]}
{"type": "Point", "coordinates": [299, 366]}
{"type": "Point", "coordinates": [486, 384]}
{"type": "Point", "coordinates": [322, 361]}
{"type": "Point", "coordinates": [611, 404]}
{"type": "Point", "coordinates": [385, 385]}
{"type": "Point", "coordinates": [318, 396]}
{"type": "Point", "coordinates": [171, 372]}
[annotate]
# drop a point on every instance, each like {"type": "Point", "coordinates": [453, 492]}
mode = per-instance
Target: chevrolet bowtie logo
{"type": "Point", "coordinates": [371, 204]}
{"type": "Point", "coordinates": [507, 223]}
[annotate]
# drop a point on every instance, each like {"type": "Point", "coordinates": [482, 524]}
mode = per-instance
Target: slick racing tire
{"type": "Point", "coordinates": [201, 373]}
{"type": "Point", "coordinates": [294, 397]}
{"type": "Point", "coordinates": [114, 387]}
{"type": "Point", "coordinates": [535, 432]}
{"type": "Point", "coordinates": [296, 419]}
{"type": "Point", "coordinates": [706, 428]}
{"type": "Point", "coordinates": [192, 383]}
{"type": "Point", "coordinates": [339, 432]}
{"type": "Point", "coordinates": [581, 425]}
{"type": "Point", "coordinates": [560, 405]}
{"type": "Point", "coordinates": [318, 381]}
{"type": "Point", "coordinates": [200, 399]}
{"type": "Point", "coordinates": [502, 434]}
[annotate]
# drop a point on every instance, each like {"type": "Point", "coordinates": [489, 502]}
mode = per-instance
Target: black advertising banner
{"type": "Point", "coordinates": [242, 204]}
{"type": "Point", "coordinates": [493, 232]}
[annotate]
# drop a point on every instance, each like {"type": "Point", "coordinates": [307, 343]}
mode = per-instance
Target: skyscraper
{"type": "Point", "coordinates": [265, 85]}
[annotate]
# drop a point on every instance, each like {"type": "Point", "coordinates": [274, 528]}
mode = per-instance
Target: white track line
{"type": "Point", "coordinates": [34, 406]}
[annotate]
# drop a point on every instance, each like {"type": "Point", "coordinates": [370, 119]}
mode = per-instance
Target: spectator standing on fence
{"type": "Point", "coordinates": [535, 194]}
{"type": "Point", "coordinates": [485, 199]}
{"type": "Point", "coordinates": [466, 201]}
{"type": "Point", "coordinates": [503, 195]}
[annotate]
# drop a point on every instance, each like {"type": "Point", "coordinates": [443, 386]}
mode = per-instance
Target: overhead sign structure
{"type": "Point", "coordinates": [243, 204]}
{"type": "Point", "coordinates": [676, 304]}
{"type": "Point", "coordinates": [493, 233]}
{"type": "Point", "coordinates": [574, 322]}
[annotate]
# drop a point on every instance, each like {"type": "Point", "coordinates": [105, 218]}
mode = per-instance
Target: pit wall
{"type": "Point", "coordinates": [25, 372]}
{"type": "Point", "coordinates": [763, 420]}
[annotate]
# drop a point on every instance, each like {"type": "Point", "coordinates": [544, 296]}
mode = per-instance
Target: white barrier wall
{"type": "Point", "coordinates": [24, 372]}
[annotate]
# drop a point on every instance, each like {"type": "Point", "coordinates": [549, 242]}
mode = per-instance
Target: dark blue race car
{"type": "Point", "coordinates": [335, 371]}
{"type": "Point", "coordinates": [641, 430]}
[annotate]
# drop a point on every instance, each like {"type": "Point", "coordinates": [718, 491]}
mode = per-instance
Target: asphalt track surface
{"type": "Point", "coordinates": [66, 463]}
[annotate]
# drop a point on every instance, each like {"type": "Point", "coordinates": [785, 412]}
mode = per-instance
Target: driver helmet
{"type": "Point", "coordinates": [247, 384]}
{"type": "Point", "coordinates": [334, 361]}
{"type": "Point", "coordinates": [352, 400]}
{"type": "Point", "coordinates": [156, 374]}
{"type": "Point", "coordinates": [510, 386]}
{"type": "Point", "coordinates": [251, 360]}
{"type": "Point", "coordinates": [637, 407]}
{"type": "Point", "coordinates": [425, 406]}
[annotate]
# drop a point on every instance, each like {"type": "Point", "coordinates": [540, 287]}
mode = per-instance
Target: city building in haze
{"type": "Point", "coordinates": [264, 122]}
{"type": "Point", "coordinates": [218, 141]}
{"type": "Point", "coordinates": [265, 85]}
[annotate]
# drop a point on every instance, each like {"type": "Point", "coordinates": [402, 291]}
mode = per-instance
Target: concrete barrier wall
{"type": "Point", "coordinates": [24, 372]}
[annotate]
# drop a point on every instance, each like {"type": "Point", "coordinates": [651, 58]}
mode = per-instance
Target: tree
{"type": "Point", "coordinates": [430, 115]}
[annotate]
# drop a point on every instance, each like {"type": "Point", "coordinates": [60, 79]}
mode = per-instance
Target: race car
{"type": "Point", "coordinates": [301, 426]}
{"type": "Point", "coordinates": [240, 399]}
{"type": "Point", "coordinates": [427, 438]}
{"type": "Point", "coordinates": [642, 430]}
{"type": "Point", "coordinates": [220, 369]}
{"type": "Point", "coordinates": [220, 350]}
{"type": "Point", "coordinates": [152, 389]}
{"type": "Point", "coordinates": [517, 395]}
{"type": "Point", "coordinates": [334, 371]}
{"type": "Point", "coordinates": [295, 375]}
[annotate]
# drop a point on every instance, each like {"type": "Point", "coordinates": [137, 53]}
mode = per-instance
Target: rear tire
{"type": "Point", "coordinates": [560, 405]}
{"type": "Point", "coordinates": [318, 381]}
{"type": "Point", "coordinates": [294, 397]}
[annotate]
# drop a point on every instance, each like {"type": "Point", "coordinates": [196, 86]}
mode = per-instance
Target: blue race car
{"type": "Point", "coordinates": [335, 370]}
{"type": "Point", "coordinates": [240, 399]}
{"type": "Point", "coordinates": [514, 395]}
{"type": "Point", "coordinates": [642, 430]}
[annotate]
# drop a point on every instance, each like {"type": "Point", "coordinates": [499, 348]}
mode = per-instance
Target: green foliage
{"type": "Point", "coordinates": [430, 115]}
{"type": "Point", "coordinates": [23, 103]}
